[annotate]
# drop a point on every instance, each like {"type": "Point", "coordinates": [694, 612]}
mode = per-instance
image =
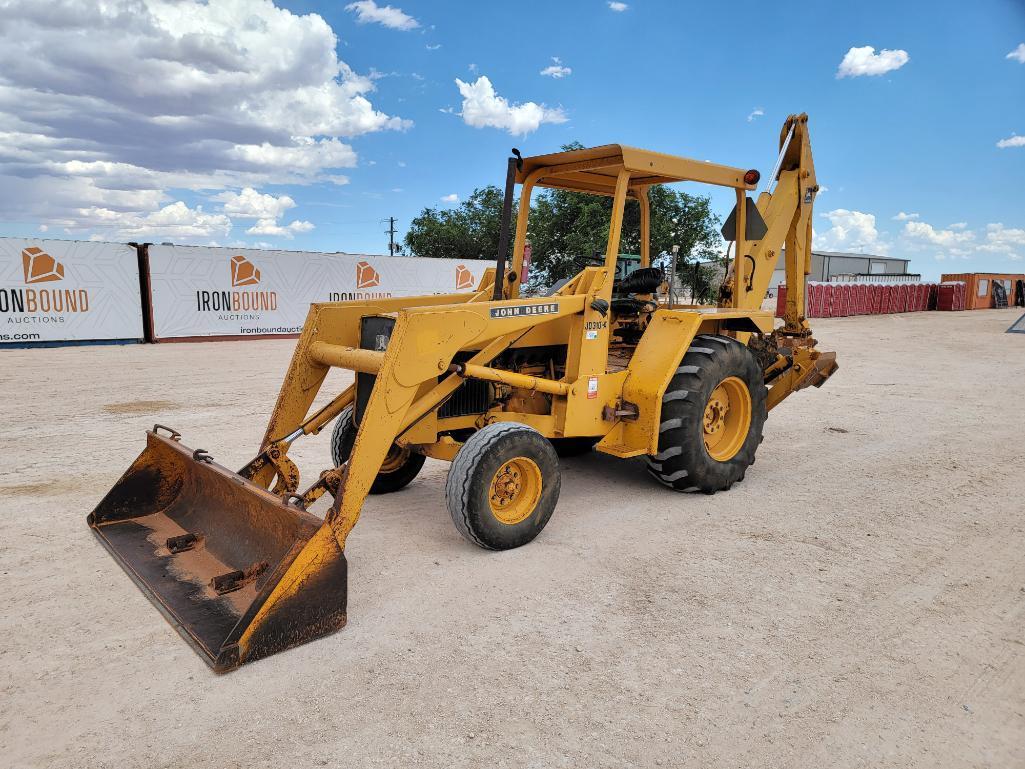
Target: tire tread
{"type": "Point", "coordinates": [682, 463]}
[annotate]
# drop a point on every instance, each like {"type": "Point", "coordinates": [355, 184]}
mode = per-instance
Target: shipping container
{"type": "Point", "coordinates": [978, 289]}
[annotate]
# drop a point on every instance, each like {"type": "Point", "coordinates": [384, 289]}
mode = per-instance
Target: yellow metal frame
{"type": "Point", "coordinates": [416, 373]}
{"type": "Point", "coordinates": [250, 529]}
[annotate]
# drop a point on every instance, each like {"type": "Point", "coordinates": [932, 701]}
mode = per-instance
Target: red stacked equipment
{"type": "Point", "coordinates": [828, 294]}
{"type": "Point", "coordinates": [838, 303]}
{"type": "Point", "coordinates": [946, 297]}
{"type": "Point", "coordinates": [950, 296]}
{"type": "Point", "coordinates": [816, 295]}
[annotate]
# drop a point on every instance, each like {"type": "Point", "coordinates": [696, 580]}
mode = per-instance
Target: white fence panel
{"type": "Point", "coordinates": [67, 290]}
{"type": "Point", "coordinates": [219, 292]}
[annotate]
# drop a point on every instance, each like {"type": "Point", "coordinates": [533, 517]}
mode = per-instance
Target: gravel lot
{"type": "Point", "coordinates": [858, 601]}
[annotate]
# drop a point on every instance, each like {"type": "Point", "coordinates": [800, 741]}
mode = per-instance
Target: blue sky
{"type": "Point", "coordinates": [303, 125]}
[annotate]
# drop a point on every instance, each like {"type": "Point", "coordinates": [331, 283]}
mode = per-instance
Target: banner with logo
{"type": "Point", "coordinates": [202, 291]}
{"type": "Point", "coordinates": [67, 290]}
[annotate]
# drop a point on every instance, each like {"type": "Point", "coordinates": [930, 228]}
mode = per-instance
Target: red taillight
{"type": "Point", "coordinates": [752, 177]}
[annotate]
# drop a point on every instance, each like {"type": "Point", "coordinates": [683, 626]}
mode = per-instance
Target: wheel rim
{"type": "Point", "coordinates": [727, 419]}
{"type": "Point", "coordinates": [396, 458]}
{"type": "Point", "coordinates": [515, 490]}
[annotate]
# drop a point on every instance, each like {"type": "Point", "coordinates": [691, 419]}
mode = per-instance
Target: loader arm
{"type": "Point", "coordinates": [421, 348]}
{"type": "Point", "coordinates": [337, 323]}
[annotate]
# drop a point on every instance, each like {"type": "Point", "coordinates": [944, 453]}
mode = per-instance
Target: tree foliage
{"type": "Point", "coordinates": [469, 231]}
{"type": "Point", "coordinates": [566, 227]}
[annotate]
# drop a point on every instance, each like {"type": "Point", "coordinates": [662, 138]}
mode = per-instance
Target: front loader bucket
{"type": "Point", "coordinates": [239, 573]}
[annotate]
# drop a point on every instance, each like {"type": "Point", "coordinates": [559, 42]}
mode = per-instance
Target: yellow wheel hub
{"type": "Point", "coordinates": [515, 490]}
{"type": "Point", "coordinates": [397, 456]}
{"type": "Point", "coordinates": [727, 419]}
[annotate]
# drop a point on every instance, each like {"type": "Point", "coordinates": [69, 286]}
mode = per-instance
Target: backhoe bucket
{"type": "Point", "coordinates": [239, 573]}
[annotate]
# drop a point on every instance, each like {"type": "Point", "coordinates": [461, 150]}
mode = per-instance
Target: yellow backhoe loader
{"type": "Point", "coordinates": [494, 382]}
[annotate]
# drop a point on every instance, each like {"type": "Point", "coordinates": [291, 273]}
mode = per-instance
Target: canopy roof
{"type": "Point", "coordinates": [595, 169]}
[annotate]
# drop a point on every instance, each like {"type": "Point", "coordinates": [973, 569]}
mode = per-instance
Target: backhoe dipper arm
{"type": "Point", "coordinates": [787, 212]}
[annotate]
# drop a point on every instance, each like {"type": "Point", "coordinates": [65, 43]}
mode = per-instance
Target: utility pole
{"type": "Point", "coordinates": [391, 235]}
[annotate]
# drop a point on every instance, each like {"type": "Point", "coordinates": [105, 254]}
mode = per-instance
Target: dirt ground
{"type": "Point", "coordinates": [858, 601]}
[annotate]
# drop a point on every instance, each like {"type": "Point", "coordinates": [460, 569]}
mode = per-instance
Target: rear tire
{"type": "Point", "coordinates": [399, 468]}
{"type": "Point", "coordinates": [503, 486]}
{"type": "Point", "coordinates": [713, 413]}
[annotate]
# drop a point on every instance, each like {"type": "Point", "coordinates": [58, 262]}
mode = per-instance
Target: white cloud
{"type": "Point", "coordinates": [756, 112]}
{"type": "Point", "coordinates": [1012, 141]}
{"type": "Point", "coordinates": [1018, 54]}
{"type": "Point", "coordinates": [225, 95]}
{"type": "Point", "coordinates": [921, 231]}
{"type": "Point", "coordinates": [306, 156]}
{"type": "Point", "coordinates": [434, 47]}
{"type": "Point", "coordinates": [850, 230]}
{"type": "Point", "coordinates": [451, 198]}
{"type": "Point", "coordinates": [823, 188]}
{"type": "Point", "coordinates": [865, 61]}
{"type": "Point", "coordinates": [1004, 240]}
{"type": "Point", "coordinates": [556, 69]}
{"type": "Point", "coordinates": [856, 231]}
{"type": "Point", "coordinates": [482, 107]}
{"type": "Point", "coordinates": [266, 209]}
{"type": "Point", "coordinates": [250, 204]}
{"type": "Point", "coordinates": [617, 7]}
{"type": "Point", "coordinates": [173, 221]}
{"type": "Point", "coordinates": [271, 227]}
{"type": "Point", "coordinates": [369, 12]}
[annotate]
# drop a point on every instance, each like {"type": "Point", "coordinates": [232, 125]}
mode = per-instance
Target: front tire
{"type": "Point", "coordinates": [503, 486]}
{"type": "Point", "coordinates": [399, 468]}
{"type": "Point", "coordinates": [713, 413]}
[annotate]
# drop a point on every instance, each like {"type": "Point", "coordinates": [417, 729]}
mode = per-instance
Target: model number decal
{"type": "Point", "coordinates": [524, 309]}
{"type": "Point", "coordinates": [595, 325]}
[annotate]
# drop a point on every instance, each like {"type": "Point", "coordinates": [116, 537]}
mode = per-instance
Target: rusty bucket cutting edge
{"type": "Point", "coordinates": [237, 572]}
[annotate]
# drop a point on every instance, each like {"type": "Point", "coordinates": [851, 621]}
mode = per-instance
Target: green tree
{"type": "Point", "coordinates": [469, 231]}
{"type": "Point", "coordinates": [568, 227]}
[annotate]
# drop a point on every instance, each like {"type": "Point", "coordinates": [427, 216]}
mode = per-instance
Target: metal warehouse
{"type": "Point", "coordinates": [827, 265]}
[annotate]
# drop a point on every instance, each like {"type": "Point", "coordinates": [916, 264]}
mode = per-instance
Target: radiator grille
{"type": "Point", "coordinates": [473, 397]}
